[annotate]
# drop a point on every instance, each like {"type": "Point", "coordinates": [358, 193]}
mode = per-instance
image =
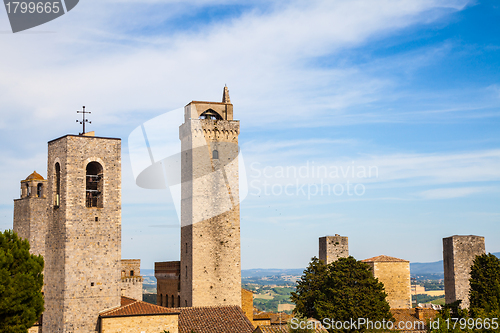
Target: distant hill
{"type": "Point", "coordinates": [431, 267]}
{"type": "Point", "coordinates": [415, 268]}
{"type": "Point", "coordinates": [261, 272]}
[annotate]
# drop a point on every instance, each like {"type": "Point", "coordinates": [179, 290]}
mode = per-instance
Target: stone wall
{"type": "Point", "coordinates": [459, 253]}
{"type": "Point", "coordinates": [247, 304]}
{"type": "Point", "coordinates": [332, 248]}
{"type": "Point", "coordinates": [142, 324]}
{"type": "Point", "coordinates": [83, 244]}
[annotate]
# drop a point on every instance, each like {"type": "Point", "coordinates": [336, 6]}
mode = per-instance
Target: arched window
{"type": "Point", "coordinates": [123, 274]}
{"type": "Point", "coordinates": [173, 305]}
{"type": "Point", "coordinates": [166, 301]}
{"type": "Point", "coordinates": [215, 154]}
{"type": "Point", "coordinates": [28, 190]}
{"type": "Point", "coordinates": [210, 114]}
{"type": "Point", "coordinates": [39, 190]}
{"type": "Point", "coordinates": [161, 300]}
{"type": "Point", "coordinates": [178, 301]}
{"type": "Point", "coordinates": [58, 184]}
{"type": "Point", "coordinates": [131, 273]}
{"type": "Point", "coordinates": [94, 185]}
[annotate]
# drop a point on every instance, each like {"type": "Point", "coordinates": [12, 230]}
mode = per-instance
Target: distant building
{"type": "Point", "coordinates": [459, 253]}
{"type": "Point", "coordinates": [331, 248]}
{"type": "Point", "coordinates": [131, 278]}
{"type": "Point", "coordinates": [394, 273]}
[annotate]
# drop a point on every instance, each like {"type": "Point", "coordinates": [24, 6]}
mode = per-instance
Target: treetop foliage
{"type": "Point", "coordinates": [21, 281]}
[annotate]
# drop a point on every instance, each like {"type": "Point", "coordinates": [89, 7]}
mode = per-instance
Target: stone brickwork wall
{"type": "Point", "coordinates": [167, 276]}
{"type": "Point", "coordinates": [139, 324]}
{"type": "Point", "coordinates": [247, 304]}
{"type": "Point", "coordinates": [83, 245]}
{"type": "Point", "coordinates": [210, 269]}
{"type": "Point", "coordinates": [459, 253]}
{"type": "Point", "coordinates": [394, 273]}
{"type": "Point", "coordinates": [332, 248]}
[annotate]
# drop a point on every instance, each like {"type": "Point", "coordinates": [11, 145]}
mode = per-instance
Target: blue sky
{"type": "Point", "coordinates": [411, 88]}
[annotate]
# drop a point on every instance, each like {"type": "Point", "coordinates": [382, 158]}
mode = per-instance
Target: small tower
{"type": "Point", "coordinates": [131, 278]}
{"type": "Point", "coordinates": [30, 212]}
{"type": "Point", "coordinates": [331, 248]}
{"type": "Point", "coordinates": [83, 243]}
{"type": "Point", "coordinates": [394, 273]}
{"type": "Point", "coordinates": [210, 269]}
{"type": "Point", "coordinates": [459, 253]}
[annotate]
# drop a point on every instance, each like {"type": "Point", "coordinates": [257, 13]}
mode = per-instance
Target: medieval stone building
{"type": "Point", "coordinates": [394, 273]}
{"type": "Point", "coordinates": [331, 248]}
{"type": "Point", "coordinates": [73, 219]}
{"type": "Point", "coordinates": [459, 253]}
{"type": "Point", "coordinates": [209, 272]}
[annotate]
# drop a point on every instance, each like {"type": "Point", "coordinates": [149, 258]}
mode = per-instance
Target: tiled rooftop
{"type": "Point", "coordinates": [383, 258]}
{"type": "Point", "coordinates": [213, 319]}
{"type": "Point", "coordinates": [132, 307]}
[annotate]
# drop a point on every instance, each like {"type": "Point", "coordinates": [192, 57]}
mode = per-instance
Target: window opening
{"type": "Point", "coordinates": [94, 185]}
{"type": "Point", "coordinates": [58, 184]}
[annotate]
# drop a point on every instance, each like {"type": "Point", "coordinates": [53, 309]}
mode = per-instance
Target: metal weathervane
{"type": "Point", "coordinates": [83, 121]}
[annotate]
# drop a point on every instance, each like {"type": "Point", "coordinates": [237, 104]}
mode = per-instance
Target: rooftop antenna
{"type": "Point", "coordinates": [83, 121]}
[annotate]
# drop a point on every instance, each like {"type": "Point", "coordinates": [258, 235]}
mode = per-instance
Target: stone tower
{"type": "Point", "coordinates": [332, 248]}
{"type": "Point", "coordinates": [210, 269]}
{"type": "Point", "coordinates": [83, 242]}
{"type": "Point", "coordinates": [394, 273]}
{"type": "Point", "coordinates": [459, 253]}
{"type": "Point", "coordinates": [30, 212]}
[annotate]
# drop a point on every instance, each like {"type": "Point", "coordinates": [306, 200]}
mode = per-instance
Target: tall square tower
{"type": "Point", "coordinates": [83, 242]}
{"type": "Point", "coordinates": [210, 271]}
{"type": "Point", "coordinates": [459, 253]}
{"type": "Point", "coordinates": [331, 248]}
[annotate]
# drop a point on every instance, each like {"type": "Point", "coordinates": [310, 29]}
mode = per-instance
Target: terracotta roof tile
{"type": "Point", "coordinates": [213, 319]}
{"type": "Point", "coordinates": [132, 307]}
{"type": "Point", "coordinates": [35, 176]}
{"type": "Point", "coordinates": [383, 258]}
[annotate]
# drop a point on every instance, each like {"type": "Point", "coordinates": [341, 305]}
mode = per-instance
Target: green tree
{"type": "Point", "coordinates": [484, 293]}
{"type": "Point", "coordinates": [21, 281]}
{"type": "Point", "coordinates": [344, 290]}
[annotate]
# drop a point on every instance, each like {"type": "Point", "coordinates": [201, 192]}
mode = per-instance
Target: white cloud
{"type": "Point", "coordinates": [451, 193]}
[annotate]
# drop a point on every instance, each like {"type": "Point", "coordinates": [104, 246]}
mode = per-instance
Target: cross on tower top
{"type": "Point", "coordinates": [83, 121]}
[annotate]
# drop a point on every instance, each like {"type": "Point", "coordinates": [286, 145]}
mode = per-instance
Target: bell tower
{"type": "Point", "coordinates": [30, 212]}
{"type": "Point", "coordinates": [83, 240]}
{"type": "Point", "coordinates": [210, 268]}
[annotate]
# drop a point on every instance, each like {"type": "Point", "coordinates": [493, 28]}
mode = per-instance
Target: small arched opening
{"type": "Point", "coordinates": [215, 154]}
{"type": "Point", "coordinates": [210, 114]}
{"type": "Point", "coordinates": [39, 190]}
{"type": "Point", "coordinates": [94, 185]}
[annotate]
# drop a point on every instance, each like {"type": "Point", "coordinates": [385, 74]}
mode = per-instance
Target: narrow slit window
{"type": "Point", "coordinates": [39, 190]}
{"type": "Point", "coordinates": [58, 185]}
